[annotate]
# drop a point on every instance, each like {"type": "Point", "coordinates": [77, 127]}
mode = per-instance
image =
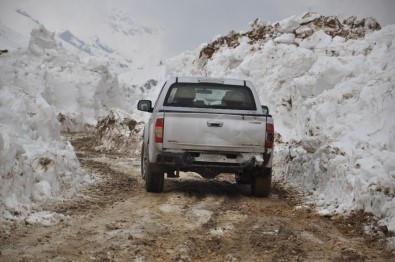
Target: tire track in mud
{"type": "Point", "coordinates": [192, 220]}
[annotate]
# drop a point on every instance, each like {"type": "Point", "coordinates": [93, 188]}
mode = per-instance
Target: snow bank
{"type": "Point", "coordinates": [36, 165]}
{"type": "Point", "coordinates": [119, 132]}
{"type": "Point", "coordinates": [43, 90]}
{"type": "Point", "coordinates": [330, 88]}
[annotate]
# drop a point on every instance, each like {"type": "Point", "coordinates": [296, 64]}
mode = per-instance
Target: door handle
{"type": "Point", "coordinates": [214, 124]}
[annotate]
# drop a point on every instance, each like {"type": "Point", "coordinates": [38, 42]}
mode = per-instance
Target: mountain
{"type": "Point", "coordinates": [114, 36]}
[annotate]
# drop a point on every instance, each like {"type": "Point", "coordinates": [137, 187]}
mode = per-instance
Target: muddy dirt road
{"type": "Point", "coordinates": [193, 220]}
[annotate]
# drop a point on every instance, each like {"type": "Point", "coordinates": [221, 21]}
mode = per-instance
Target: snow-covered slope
{"type": "Point", "coordinates": [122, 40]}
{"type": "Point", "coordinates": [330, 88]}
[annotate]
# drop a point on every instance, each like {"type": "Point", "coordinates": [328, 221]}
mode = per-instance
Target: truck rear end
{"type": "Point", "coordinates": [209, 126]}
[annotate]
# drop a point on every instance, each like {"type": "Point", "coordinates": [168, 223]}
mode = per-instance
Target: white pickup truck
{"type": "Point", "coordinates": [208, 126]}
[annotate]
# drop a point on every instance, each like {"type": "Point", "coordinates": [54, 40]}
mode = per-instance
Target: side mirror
{"type": "Point", "coordinates": [145, 105]}
{"type": "Point", "coordinates": [265, 110]}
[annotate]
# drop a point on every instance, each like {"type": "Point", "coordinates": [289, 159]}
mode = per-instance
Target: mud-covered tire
{"type": "Point", "coordinates": [142, 158]}
{"type": "Point", "coordinates": [154, 179]}
{"type": "Point", "coordinates": [243, 178]}
{"type": "Point", "coordinates": [261, 182]}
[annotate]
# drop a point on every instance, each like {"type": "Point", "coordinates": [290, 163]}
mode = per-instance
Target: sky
{"type": "Point", "coordinates": [189, 23]}
{"type": "Point", "coordinates": [194, 22]}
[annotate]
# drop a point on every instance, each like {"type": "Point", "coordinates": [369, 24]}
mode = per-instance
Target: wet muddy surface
{"type": "Point", "coordinates": [192, 220]}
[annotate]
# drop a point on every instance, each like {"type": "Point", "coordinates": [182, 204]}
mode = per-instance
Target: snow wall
{"type": "Point", "coordinates": [44, 90]}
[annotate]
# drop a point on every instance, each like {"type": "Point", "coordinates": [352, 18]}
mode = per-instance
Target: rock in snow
{"type": "Point", "coordinates": [118, 132]}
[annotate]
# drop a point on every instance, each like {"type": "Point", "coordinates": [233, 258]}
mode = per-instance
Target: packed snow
{"type": "Point", "coordinates": [329, 86]}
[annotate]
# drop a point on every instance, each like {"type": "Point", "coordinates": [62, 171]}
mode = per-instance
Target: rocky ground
{"type": "Point", "coordinates": [192, 220]}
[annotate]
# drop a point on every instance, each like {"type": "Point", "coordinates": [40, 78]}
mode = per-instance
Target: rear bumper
{"type": "Point", "coordinates": [175, 159]}
{"type": "Point", "coordinates": [192, 161]}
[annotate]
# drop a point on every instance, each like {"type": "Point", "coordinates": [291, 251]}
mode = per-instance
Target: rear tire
{"type": "Point", "coordinates": [261, 182]}
{"type": "Point", "coordinates": [142, 159]}
{"type": "Point", "coordinates": [243, 178]}
{"type": "Point", "coordinates": [154, 180]}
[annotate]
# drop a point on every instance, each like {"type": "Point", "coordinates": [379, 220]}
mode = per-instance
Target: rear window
{"type": "Point", "coordinates": [210, 96]}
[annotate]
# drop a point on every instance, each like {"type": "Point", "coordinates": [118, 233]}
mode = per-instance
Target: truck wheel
{"type": "Point", "coordinates": [261, 182]}
{"type": "Point", "coordinates": [142, 161]}
{"type": "Point", "coordinates": [154, 180]}
{"type": "Point", "coordinates": [243, 178]}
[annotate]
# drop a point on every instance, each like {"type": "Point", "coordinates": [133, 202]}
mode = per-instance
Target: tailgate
{"type": "Point", "coordinates": [214, 132]}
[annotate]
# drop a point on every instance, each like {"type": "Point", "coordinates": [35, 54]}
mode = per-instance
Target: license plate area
{"type": "Point", "coordinates": [216, 158]}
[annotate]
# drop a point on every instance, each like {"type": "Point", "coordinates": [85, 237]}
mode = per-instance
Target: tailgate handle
{"type": "Point", "coordinates": [215, 124]}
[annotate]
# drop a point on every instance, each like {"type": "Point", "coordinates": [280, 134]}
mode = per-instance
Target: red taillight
{"type": "Point", "coordinates": [269, 136]}
{"type": "Point", "coordinates": [159, 124]}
